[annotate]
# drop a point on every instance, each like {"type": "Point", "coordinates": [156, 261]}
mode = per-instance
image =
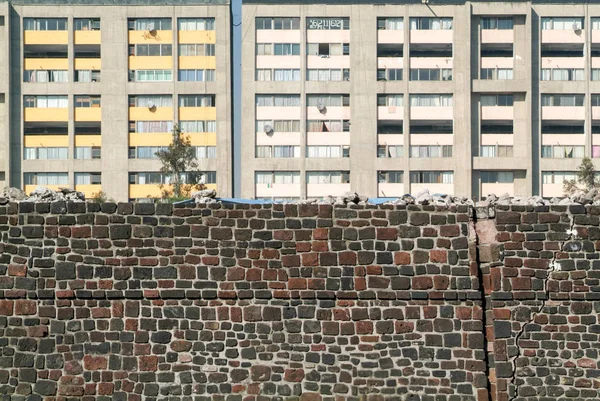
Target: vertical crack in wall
{"type": "Point", "coordinates": [551, 268]}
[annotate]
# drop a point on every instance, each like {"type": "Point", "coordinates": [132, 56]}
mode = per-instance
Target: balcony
{"type": "Point", "coordinates": [46, 37]}
{"type": "Point", "coordinates": [278, 36]}
{"type": "Point", "coordinates": [278, 113]}
{"type": "Point", "coordinates": [147, 114]}
{"type": "Point", "coordinates": [497, 188]}
{"type": "Point", "coordinates": [385, 190]}
{"type": "Point", "coordinates": [197, 62]}
{"type": "Point", "coordinates": [431, 139]}
{"type": "Point", "coordinates": [88, 140]}
{"type": "Point", "coordinates": [88, 63]}
{"type": "Point", "coordinates": [89, 190]}
{"type": "Point", "coordinates": [150, 62]}
{"type": "Point", "coordinates": [46, 64]}
{"type": "Point", "coordinates": [197, 113]}
{"type": "Point", "coordinates": [328, 138]}
{"type": "Point", "coordinates": [197, 37]}
{"type": "Point", "coordinates": [330, 113]}
{"type": "Point", "coordinates": [164, 139]}
{"type": "Point", "coordinates": [390, 139]}
{"type": "Point", "coordinates": [568, 113]}
{"type": "Point", "coordinates": [497, 139]}
{"type": "Point", "coordinates": [497, 36]}
{"type": "Point", "coordinates": [278, 62]}
{"type": "Point", "coordinates": [328, 62]}
{"type": "Point", "coordinates": [431, 113]}
{"type": "Point", "coordinates": [87, 38]}
{"type": "Point", "coordinates": [563, 36]}
{"type": "Point", "coordinates": [385, 36]}
{"type": "Point", "coordinates": [85, 114]}
{"type": "Point", "coordinates": [278, 190]}
{"type": "Point", "coordinates": [390, 62]}
{"type": "Point", "coordinates": [431, 62]}
{"type": "Point", "coordinates": [497, 62]}
{"type": "Point", "coordinates": [431, 36]}
{"type": "Point", "coordinates": [497, 113]}
{"type": "Point", "coordinates": [278, 138]}
{"type": "Point", "coordinates": [562, 62]}
{"type": "Point", "coordinates": [136, 37]}
{"type": "Point", "coordinates": [433, 188]}
{"type": "Point", "coordinates": [563, 139]}
{"type": "Point", "coordinates": [322, 190]}
{"type": "Point", "coordinates": [45, 141]}
{"type": "Point", "coordinates": [46, 114]}
{"type": "Point", "coordinates": [390, 112]}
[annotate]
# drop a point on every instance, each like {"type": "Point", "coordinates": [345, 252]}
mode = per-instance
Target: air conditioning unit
{"type": "Point", "coordinates": [152, 107]}
{"type": "Point", "coordinates": [268, 129]}
{"type": "Point", "coordinates": [321, 107]}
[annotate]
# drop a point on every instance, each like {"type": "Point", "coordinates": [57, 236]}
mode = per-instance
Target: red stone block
{"type": "Point", "coordinates": [81, 232]}
{"type": "Point", "coordinates": [404, 327]}
{"type": "Point", "coordinates": [364, 327]}
{"type": "Point", "coordinates": [303, 246]}
{"type": "Point", "coordinates": [320, 246]}
{"type": "Point", "coordinates": [464, 313]}
{"type": "Point", "coordinates": [521, 283]}
{"type": "Point", "coordinates": [387, 234]}
{"type": "Point", "coordinates": [449, 231]}
{"type": "Point", "coordinates": [105, 388]}
{"type": "Point", "coordinates": [283, 235]}
{"type": "Point", "coordinates": [347, 258]}
{"type": "Point", "coordinates": [24, 307]}
{"type": "Point", "coordinates": [6, 308]}
{"type": "Point", "coordinates": [17, 270]}
{"type": "Point", "coordinates": [441, 282]}
{"type": "Point", "coordinates": [422, 283]}
{"type": "Point", "coordinates": [402, 258]}
{"type": "Point", "coordinates": [297, 284]}
{"type": "Point", "coordinates": [148, 363]}
{"type": "Point", "coordinates": [438, 256]}
{"type": "Point", "coordinates": [310, 259]}
{"type": "Point", "coordinates": [294, 375]}
{"type": "Point", "coordinates": [321, 233]}
{"type": "Point", "coordinates": [94, 362]}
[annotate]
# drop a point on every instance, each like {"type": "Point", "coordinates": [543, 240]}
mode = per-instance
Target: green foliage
{"type": "Point", "coordinates": [586, 178]}
{"type": "Point", "coordinates": [179, 163]}
{"type": "Point", "coordinates": [100, 197]}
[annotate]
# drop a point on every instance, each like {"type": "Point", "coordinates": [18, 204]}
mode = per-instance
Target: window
{"type": "Point", "coordinates": [151, 101]}
{"type": "Point", "coordinates": [46, 178]}
{"type": "Point", "coordinates": [196, 75]}
{"type": "Point", "coordinates": [496, 73]}
{"type": "Point", "coordinates": [328, 49]}
{"type": "Point", "coordinates": [144, 152]}
{"type": "Point", "coordinates": [390, 74]}
{"type": "Point", "coordinates": [390, 177]}
{"type": "Point", "coordinates": [496, 151]}
{"type": "Point", "coordinates": [279, 125]}
{"type": "Point", "coordinates": [390, 100]}
{"type": "Point", "coordinates": [328, 75]}
{"type": "Point", "coordinates": [278, 100]}
{"type": "Point", "coordinates": [150, 24]}
{"type": "Point", "coordinates": [278, 23]}
{"type": "Point", "coordinates": [88, 179]}
{"type": "Point", "coordinates": [328, 126]}
{"type": "Point", "coordinates": [595, 24]}
{"type": "Point", "coordinates": [562, 100]}
{"type": "Point", "coordinates": [496, 177]}
{"type": "Point", "coordinates": [197, 49]}
{"type": "Point", "coordinates": [595, 151]}
{"type": "Point", "coordinates": [558, 177]}
{"type": "Point", "coordinates": [45, 153]}
{"type": "Point", "coordinates": [151, 50]}
{"type": "Point", "coordinates": [497, 100]}
{"type": "Point", "coordinates": [562, 74]}
{"type": "Point", "coordinates": [431, 100]}
{"type": "Point", "coordinates": [42, 76]}
{"type": "Point", "coordinates": [196, 100]}
{"type": "Point", "coordinates": [87, 152]}
{"type": "Point", "coordinates": [206, 152]}
{"type": "Point", "coordinates": [431, 74]}
{"type": "Point", "coordinates": [87, 75]}
{"type": "Point", "coordinates": [278, 151]}
{"type": "Point", "coordinates": [281, 75]}
{"type": "Point", "coordinates": [431, 177]}
{"type": "Point", "coordinates": [87, 24]}
{"type": "Point", "coordinates": [151, 126]}
{"type": "Point", "coordinates": [328, 23]}
{"type": "Point", "coordinates": [497, 23]}
{"type": "Point", "coordinates": [277, 177]}
{"type": "Point", "coordinates": [46, 102]}
{"type": "Point", "coordinates": [153, 75]}
{"type": "Point", "coordinates": [390, 151]}
{"type": "Point", "coordinates": [87, 101]}
{"type": "Point", "coordinates": [327, 151]}
{"type": "Point", "coordinates": [563, 151]}
{"type": "Point", "coordinates": [196, 24]}
{"type": "Point", "coordinates": [390, 24]}
{"type": "Point", "coordinates": [198, 126]}
{"type": "Point", "coordinates": [562, 23]}
{"type": "Point", "coordinates": [328, 100]}
{"type": "Point", "coordinates": [595, 100]}
{"type": "Point", "coordinates": [45, 24]}
{"type": "Point", "coordinates": [328, 177]}
{"type": "Point", "coordinates": [426, 23]}
{"type": "Point", "coordinates": [278, 49]}
{"type": "Point", "coordinates": [143, 178]}
{"type": "Point", "coordinates": [595, 74]}
{"type": "Point", "coordinates": [426, 151]}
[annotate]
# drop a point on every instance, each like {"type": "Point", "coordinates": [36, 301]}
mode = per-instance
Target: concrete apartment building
{"type": "Point", "coordinates": [390, 97]}
{"type": "Point", "coordinates": [90, 90]}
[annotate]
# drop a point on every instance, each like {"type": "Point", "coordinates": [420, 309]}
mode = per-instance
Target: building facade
{"type": "Point", "coordinates": [388, 98]}
{"type": "Point", "coordinates": [90, 91]}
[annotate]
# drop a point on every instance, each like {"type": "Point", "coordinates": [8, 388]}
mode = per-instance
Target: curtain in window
{"type": "Point", "coordinates": [158, 101]}
{"type": "Point", "coordinates": [83, 179]}
{"type": "Point", "coordinates": [447, 177]}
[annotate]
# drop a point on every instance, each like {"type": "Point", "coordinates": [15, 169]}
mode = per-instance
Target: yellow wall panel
{"type": "Point", "coordinates": [197, 62]}
{"type": "Point", "coordinates": [30, 188]}
{"type": "Point", "coordinates": [145, 114]}
{"type": "Point", "coordinates": [197, 113]}
{"type": "Point", "coordinates": [89, 190]}
{"type": "Point", "coordinates": [88, 64]}
{"type": "Point", "coordinates": [88, 140]}
{"type": "Point", "coordinates": [87, 37]}
{"type": "Point", "coordinates": [145, 37]}
{"type": "Point", "coordinates": [50, 114]}
{"type": "Point", "coordinates": [46, 141]}
{"type": "Point", "coordinates": [88, 114]}
{"type": "Point", "coordinates": [152, 190]}
{"type": "Point", "coordinates": [197, 36]}
{"type": "Point", "coordinates": [46, 64]}
{"type": "Point", "coordinates": [150, 62]}
{"type": "Point", "coordinates": [46, 37]}
{"type": "Point", "coordinates": [203, 139]}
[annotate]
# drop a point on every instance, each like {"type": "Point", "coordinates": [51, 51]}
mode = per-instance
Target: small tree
{"type": "Point", "coordinates": [586, 178]}
{"type": "Point", "coordinates": [179, 159]}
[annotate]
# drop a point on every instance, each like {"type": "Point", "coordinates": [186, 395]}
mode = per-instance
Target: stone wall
{"type": "Point", "coordinates": [297, 302]}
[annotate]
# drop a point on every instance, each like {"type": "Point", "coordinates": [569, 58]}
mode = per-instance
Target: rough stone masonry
{"type": "Point", "coordinates": [134, 302]}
